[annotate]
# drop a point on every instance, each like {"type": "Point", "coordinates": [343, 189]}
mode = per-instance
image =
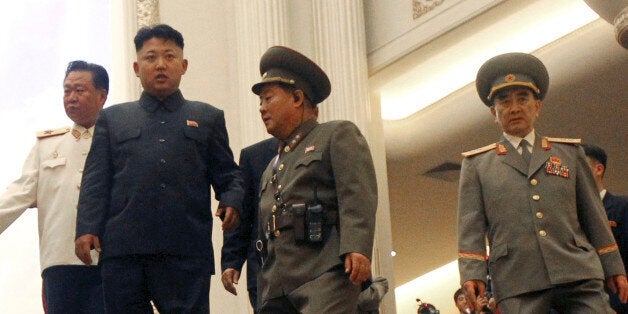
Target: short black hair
{"type": "Point", "coordinates": [457, 293]}
{"type": "Point", "coordinates": [595, 152]}
{"type": "Point", "coordinates": [100, 77]}
{"type": "Point", "coordinates": [162, 31]}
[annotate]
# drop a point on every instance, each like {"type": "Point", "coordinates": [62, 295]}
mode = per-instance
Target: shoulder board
{"type": "Point", "coordinates": [564, 140]}
{"type": "Point", "coordinates": [53, 132]}
{"type": "Point", "coordinates": [479, 150]}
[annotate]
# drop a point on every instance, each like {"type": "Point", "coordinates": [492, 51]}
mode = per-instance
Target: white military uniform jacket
{"type": "Point", "coordinates": [545, 223]}
{"type": "Point", "coordinates": [50, 181]}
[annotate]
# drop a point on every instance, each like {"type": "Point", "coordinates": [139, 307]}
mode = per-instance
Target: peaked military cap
{"type": "Point", "coordinates": [285, 66]}
{"type": "Point", "coordinates": [511, 69]}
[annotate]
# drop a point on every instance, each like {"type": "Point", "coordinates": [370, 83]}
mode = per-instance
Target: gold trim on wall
{"type": "Point", "coordinates": [421, 7]}
{"type": "Point", "coordinates": [147, 12]}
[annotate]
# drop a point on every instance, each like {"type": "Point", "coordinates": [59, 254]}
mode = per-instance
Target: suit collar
{"type": "Point", "coordinates": [169, 104]}
{"type": "Point", "coordinates": [513, 159]}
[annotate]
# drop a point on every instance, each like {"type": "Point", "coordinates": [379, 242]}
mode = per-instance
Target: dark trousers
{"type": "Point", "coordinates": [175, 284]}
{"type": "Point", "coordinates": [585, 296]}
{"type": "Point", "coordinates": [253, 297]}
{"type": "Point", "coordinates": [73, 289]}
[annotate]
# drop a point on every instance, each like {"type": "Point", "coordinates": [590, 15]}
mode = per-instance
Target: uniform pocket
{"type": "Point", "coordinates": [127, 134]}
{"type": "Point", "coordinates": [53, 163]}
{"type": "Point", "coordinates": [308, 159]}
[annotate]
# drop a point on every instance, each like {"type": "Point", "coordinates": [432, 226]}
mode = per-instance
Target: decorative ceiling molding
{"type": "Point", "coordinates": [421, 7]}
{"type": "Point", "coordinates": [147, 12]}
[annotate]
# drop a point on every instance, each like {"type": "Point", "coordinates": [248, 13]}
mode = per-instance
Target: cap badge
{"type": "Point", "coordinates": [510, 78]}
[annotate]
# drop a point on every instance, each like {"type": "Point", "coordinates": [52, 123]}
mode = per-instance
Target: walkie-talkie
{"type": "Point", "coordinates": [314, 220]}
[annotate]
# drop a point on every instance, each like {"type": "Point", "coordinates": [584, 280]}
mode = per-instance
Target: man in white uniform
{"type": "Point", "coordinates": [50, 181]}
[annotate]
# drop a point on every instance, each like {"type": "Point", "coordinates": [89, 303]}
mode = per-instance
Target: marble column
{"type": "Point", "coordinates": [339, 44]}
{"type": "Point", "coordinates": [259, 25]}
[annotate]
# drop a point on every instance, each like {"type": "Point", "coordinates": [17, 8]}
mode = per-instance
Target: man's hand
{"type": "Point", "coordinates": [229, 279]}
{"type": "Point", "coordinates": [83, 245]}
{"type": "Point", "coordinates": [470, 287]}
{"type": "Point", "coordinates": [230, 217]}
{"type": "Point", "coordinates": [359, 266]}
{"type": "Point", "coordinates": [618, 284]}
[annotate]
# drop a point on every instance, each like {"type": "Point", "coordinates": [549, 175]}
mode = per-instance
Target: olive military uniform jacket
{"type": "Point", "coordinates": [146, 185]}
{"type": "Point", "coordinates": [332, 158]}
{"type": "Point", "coordinates": [545, 223]}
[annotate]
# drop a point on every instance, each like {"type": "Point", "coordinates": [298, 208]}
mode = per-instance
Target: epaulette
{"type": "Point", "coordinates": [564, 140]}
{"type": "Point", "coordinates": [501, 149]}
{"type": "Point", "coordinates": [55, 132]}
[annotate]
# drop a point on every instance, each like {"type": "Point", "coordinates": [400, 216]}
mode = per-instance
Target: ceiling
{"type": "Point", "coordinates": [587, 98]}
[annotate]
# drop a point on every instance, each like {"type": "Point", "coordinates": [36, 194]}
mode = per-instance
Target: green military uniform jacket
{"type": "Point", "coordinates": [545, 223]}
{"type": "Point", "coordinates": [334, 159]}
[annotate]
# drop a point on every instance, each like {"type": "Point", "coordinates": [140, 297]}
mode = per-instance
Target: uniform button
{"type": "Point", "coordinates": [539, 215]}
{"type": "Point", "coordinates": [542, 233]}
{"type": "Point", "coordinates": [163, 185]}
{"type": "Point", "coordinates": [163, 161]}
{"type": "Point", "coordinates": [162, 122]}
{"type": "Point", "coordinates": [277, 233]}
{"type": "Point", "coordinates": [286, 149]}
{"type": "Point", "coordinates": [534, 182]}
{"type": "Point", "coordinates": [274, 208]}
{"type": "Point", "coordinates": [161, 140]}
{"type": "Point", "coordinates": [536, 197]}
{"type": "Point", "coordinates": [280, 167]}
{"type": "Point", "coordinates": [279, 187]}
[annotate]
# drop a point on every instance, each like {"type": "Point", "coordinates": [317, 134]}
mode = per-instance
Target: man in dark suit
{"type": "Point", "coordinates": [535, 200]}
{"type": "Point", "coordinates": [145, 195]}
{"type": "Point", "coordinates": [616, 207]}
{"type": "Point", "coordinates": [239, 245]}
{"type": "Point", "coordinates": [318, 197]}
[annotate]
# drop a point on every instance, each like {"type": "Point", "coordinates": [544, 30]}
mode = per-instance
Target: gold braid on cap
{"type": "Point", "coordinates": [278, 80]}
{"type": "Point", "coordinates": [500, 86]}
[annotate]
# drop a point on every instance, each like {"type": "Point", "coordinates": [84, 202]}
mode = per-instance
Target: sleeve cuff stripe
{"type": "Point", "coordinates": [607, 249]}
{"type": "Point", "coordinates": [471, 255]}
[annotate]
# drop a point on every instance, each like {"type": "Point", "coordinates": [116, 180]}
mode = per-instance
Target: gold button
{"type": "Point", "coordinates": [539, 215]}
{"type": "Point", "coordinates": [536, 197]}
{"type": "Point", "coordinates": [274, 208]}
{"type": "Point", "coordinates": [280, 167]}
{"type": "Point", "coordinates": [542, 233]}
{"type": "Point", "coordinates": [279, 187]}
{"type": "Point", "coordinates": [534, 182]}
{"type": "Point", "coordinates": [277, 233]}
{"type": "Point", "coordinates": [286, 149]}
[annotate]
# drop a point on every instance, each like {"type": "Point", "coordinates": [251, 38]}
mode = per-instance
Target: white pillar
{"type": "Point", "coordinates": [259, 25]}
{"type": "Point", "coordinates": [340, 49]}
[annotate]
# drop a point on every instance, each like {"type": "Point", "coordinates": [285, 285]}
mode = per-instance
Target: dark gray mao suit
{"type": "Point", "coordinates": [545, 223]}
{"type": "Point", "coordinates": [239, 245]}
{"type": "Point", "coordinates": [147, 179]}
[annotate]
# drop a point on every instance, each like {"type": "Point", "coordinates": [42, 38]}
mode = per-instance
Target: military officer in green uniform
{"type": "Point", "coordinates": [534, 199]}
{"type": "Point", "coordinates": [318, 196]}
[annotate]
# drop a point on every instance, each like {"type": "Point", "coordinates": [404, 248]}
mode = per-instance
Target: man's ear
{"type": "Point", "coordinates": [136, 68]}
{"type": "Point", "coordinates": [298, 97]}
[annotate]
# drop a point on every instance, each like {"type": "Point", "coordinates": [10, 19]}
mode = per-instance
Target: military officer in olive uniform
{"type": "Point", "coordinates": [534, 199]}
{"type": "Point", "coordinates": [318, 196]}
